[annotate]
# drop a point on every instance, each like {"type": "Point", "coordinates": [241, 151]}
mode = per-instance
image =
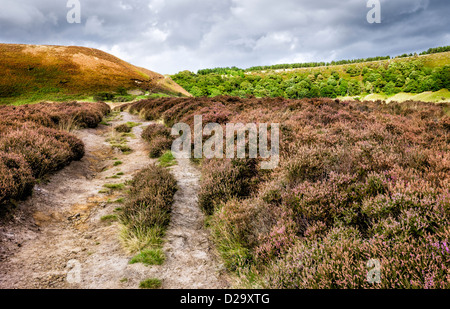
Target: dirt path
{"type": "Point", "coordinates": [57, 238]}
{"type": "Point", "coordinates": [190, 258]}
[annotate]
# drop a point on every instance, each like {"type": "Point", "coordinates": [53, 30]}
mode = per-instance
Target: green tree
{"type": "Point", "coordinates": [389, 88]}
{"type": "Point", "coordinates": [327, 92]}
{"type": "Point", "coordinates": [354, 88]}
{"type": "Point", "coordinates": [342, 88]}
{"type": "Point", "coordinates": [196, 92]}
{"type": "Point", "coordinates": [214, 92]}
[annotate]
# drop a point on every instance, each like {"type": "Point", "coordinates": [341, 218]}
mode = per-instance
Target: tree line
{"type": "Point", "coordinates": [236, 71]}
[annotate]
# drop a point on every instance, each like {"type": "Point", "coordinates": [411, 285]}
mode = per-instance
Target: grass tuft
{"type": "Point", "coordinates": [109, 218]}
{"type": "Point", "coordinates": [114, 186]}
{"type": "Point", "coordinates": [150, 284]}
{"type": "Point", "coordinates": [167, 159]}
{"type": "Point", "coordinates": [149, 257]}
{"type": "Point", "coordinates": [139, 238]}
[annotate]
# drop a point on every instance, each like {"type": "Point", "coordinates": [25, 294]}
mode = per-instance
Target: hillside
{"type": "Point", "coordinates": [403, 77]}
{"type": "Point", "coordinates": [40, 72]}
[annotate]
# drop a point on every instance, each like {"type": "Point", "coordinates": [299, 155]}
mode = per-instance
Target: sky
{"type": "Point", "coordinates": [168, 36]}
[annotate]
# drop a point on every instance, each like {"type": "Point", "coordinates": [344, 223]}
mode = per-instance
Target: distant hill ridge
{"type": "Point", "coordinates": [40, 70]}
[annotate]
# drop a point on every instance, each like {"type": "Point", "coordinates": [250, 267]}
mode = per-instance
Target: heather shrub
{"type": "Point", "coordinates": [43, 153]}
{"type": "Point", "coordinates": [278, 240]}
{"type": "Point", "coordinates": [237, 227]}
{"type": "Point", "coordinates": [311, 163]}
{"type": "Point", "coordinates": [36, 135]}
{"type": "Point", "coordinates": [159, 138]}
{"type": "Point", "coordinates": [65, 115]}
{"type": "Point", "coordinates": [150, 201]}
{"type": "Point", "coordinates": [331, 263]}
{"type": "Point", "coordinates": [158, 145]}
{"type": "Point", "coordinates": [182, 112]}
{"type": "Point", "coordinates": [154, 130]}
{"type": "Point", "coordinates": [340, 261]}
{"type": "Point", "coordinates": [356, 181]}
{"type": "Point", "coordinates": [405, 216]}
{"type": "Point", "coordinates": [223, 180]}
{"type": "Point", "coordinates": [154, 178]}
{"type": "Point", "coordinates": [216, 113]}
{"type": "Point", "coordinates": [16, 179]}
{"type": "Point", "coordinates": [123, 128]}
{"type": "Point", "coordinates": [83, 115]}
{"type": "Point", "coordinates": [75, 144]}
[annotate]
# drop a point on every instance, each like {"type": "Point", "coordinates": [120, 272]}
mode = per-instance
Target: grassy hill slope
{"type": "Point", "coordinates": [403, 77]}
{"type": "Point", "coordinates": [41, 72]}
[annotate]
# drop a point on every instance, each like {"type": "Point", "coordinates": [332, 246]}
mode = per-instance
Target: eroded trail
{"type": "Point", "coordinates": [57, 238]}
{"type": "Point", "coordinates": [191, 262]}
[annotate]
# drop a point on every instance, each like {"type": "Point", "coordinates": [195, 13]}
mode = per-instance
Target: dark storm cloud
{"type": "Point", "coordinates": [172, 35]}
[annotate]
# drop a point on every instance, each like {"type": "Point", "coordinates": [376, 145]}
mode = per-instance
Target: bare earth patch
{"type": "Point", "coordinates": [47, 238]}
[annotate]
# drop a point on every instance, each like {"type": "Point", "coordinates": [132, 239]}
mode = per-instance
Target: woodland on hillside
{"type": "Point", "coordinates": [388, 77]}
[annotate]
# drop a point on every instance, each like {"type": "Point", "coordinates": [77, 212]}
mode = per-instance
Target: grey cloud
{"type": "Point", "coordinates": [171, 35]}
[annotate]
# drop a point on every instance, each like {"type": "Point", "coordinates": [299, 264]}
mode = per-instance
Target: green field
{"type": "Point", "coordinates": [440, 96]}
